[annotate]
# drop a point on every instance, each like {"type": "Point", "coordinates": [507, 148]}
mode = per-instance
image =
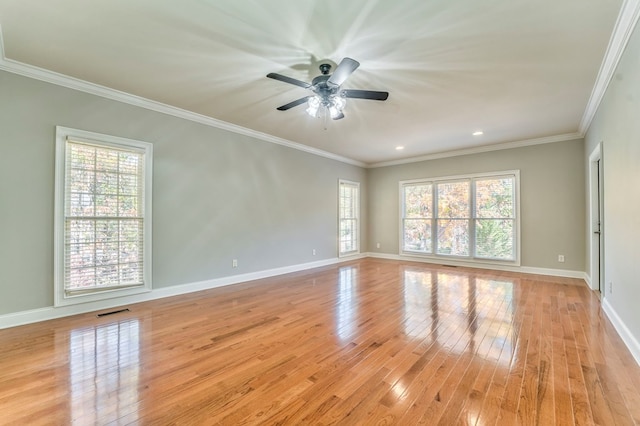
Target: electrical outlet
{"type": "Point", "coordinates": [377, 245]}
{"type": "Point", "coordinates": [234, 263]}
{"type": "Point", "coordinates": [313, 252]}
{"type": "Point", "coordinates": [561, 258]}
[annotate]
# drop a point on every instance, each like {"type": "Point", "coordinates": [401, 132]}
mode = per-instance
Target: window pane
{"type": "Point", "coordinates": [106, 183]}
{"type": "Point", "coordinates": [81, 157]}
{"type": "Point", "coordinates": [417, 235]}
{"type": "Point", "coordinates": [453, 237]}
{"type": "Point", "coordinates": [79, 255]}
{"type": "Point", "coordinates": [494, 239]}
{"type": "Point", "coordinates": [106, 253]}
{"type": "Point", "coordinates": [418, 201]}
{"type": "Point", "coordinates": [130, 230]}
{"type": "Point", "coordinates": [104, 186]}
{"type": "Point", "coordinates": [130, 252]}
{"type": "Point", "coordinates": [348, 200]}
{"type": "Point", "coordinates": [453, 199]}
{"type": "Point", "coordinates": [81, 231]}
{"type": "Point", "coordinates": [106, 205]}
{"type": "Point", "coordinates": [494, 198]}
{"type": "Point", "coordinates": [80, 205]}
{"type": "Point", "coordinates": [107, 275]}
{"type": "Point", "coordinates": [130, 273]}
{"type": "Point", "coordinates": [106, 160]}
{"type": "Point", "coordinates": [82, 181]}
{"type": "Point", "coordinates": [130, 163]}
{"type": "Point", "coordinates": [348, 235]}
{"type": "Point", "coordinates": [128, 207]}
{"type": "Point", "coordinates": [82, 278]}
{"type": "Point", "coordinates": [129, 184]}
{"type": "Point", "coordinates": [106, 231]}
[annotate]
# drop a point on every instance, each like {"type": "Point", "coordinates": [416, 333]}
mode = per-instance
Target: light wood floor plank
{"type": "Point", "coordinates": [366, 342]}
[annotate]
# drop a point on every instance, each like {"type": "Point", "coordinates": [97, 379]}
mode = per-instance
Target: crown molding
{"type": "Point", "coordinates": [48, 76]}
{"type": "Point", "coordinates": [625, 24]}
{"type": "Point", "coordinates": [480, 149]}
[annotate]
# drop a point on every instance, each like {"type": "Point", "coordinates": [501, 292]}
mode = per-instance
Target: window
{"type": "Point", "coordinates": [468, 217]}
{"type": "Point", "coordinates": [103, 216]}
{"type": "Point", "coordinates": [348, 206]}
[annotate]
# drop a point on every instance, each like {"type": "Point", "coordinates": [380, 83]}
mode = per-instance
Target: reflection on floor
{"type": "Point", "coordinates": [363, 342]}
{"type": "Point", "coordinates": [104, 370]}
{"type": "Point", "coordinates": [488, 324]}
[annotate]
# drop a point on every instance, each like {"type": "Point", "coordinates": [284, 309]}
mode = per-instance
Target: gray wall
{"type": "Point", "coordinates": [617, 126]}
{"type": "Point", "coordinates": [551, 191]}
{"type": "Point", "coordinates": [217, 195]}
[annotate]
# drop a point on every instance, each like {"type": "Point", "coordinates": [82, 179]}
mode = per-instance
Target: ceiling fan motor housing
{"type": "Point", "coordinates": [325, 68]}
{"type": "Point", "coordinates": [322, 88]}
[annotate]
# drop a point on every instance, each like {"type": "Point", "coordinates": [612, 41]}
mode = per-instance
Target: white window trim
{"type": "Point", "coordinates": [357, 250]}
{"type": "Point", "coordinates": [461, 259]}
{"type": "Point", "coordinates": [62, 134]}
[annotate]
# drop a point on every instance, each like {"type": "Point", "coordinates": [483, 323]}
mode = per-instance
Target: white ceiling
{"type": "Point", "coordinates": [517, 70]}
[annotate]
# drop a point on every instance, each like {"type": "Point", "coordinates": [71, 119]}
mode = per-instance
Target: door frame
{"type": "Point", "coordinates": [596, 214]}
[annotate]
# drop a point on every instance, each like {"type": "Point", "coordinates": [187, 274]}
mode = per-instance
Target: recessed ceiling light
{"type": "Point", "coordinates": [399, 148]}
{"type": "Point", "coordinates": [478, 133]}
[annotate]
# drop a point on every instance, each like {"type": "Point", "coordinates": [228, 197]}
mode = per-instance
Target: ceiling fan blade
{"type": "Point", "coordinates": [293, 104]}
{"type": "Point", "coordinates": [289, 80]}
{"type": "Point", "coordinates": [365, 94]}
{"type": "Point", "coordinates": [344, 70]}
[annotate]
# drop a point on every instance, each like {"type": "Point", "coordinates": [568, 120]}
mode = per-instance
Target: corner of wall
{"type": "Point", "coordinates": [625, 334]}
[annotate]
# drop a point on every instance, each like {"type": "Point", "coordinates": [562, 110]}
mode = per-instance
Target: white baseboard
{"type": "Point", "coordinates": [587, 279]}
{"type": "Point", "coordinates": [496, 267]}
{"type": "Point", "coordinates": [627, 337]}
{"type": "Point", "coordinates": [48, 313]}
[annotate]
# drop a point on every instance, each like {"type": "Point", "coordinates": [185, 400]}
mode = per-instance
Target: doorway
{"type": "Point", "coordinates": [596, 231]}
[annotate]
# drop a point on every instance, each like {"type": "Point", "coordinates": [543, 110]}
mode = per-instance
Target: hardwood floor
{"type": "Point", "coordinates": [365, 342]}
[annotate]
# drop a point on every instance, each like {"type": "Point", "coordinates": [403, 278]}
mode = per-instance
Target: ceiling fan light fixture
{"type": "Point", "coordinates": [338, 101]}
{"type": "Point", "coordinates": [314, 104]}
{"type": "Point", "coordinates": [336, 105]}
{"type": "Point", "coordinates": [335, 113]}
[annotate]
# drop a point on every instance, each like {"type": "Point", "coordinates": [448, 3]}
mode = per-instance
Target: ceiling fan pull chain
{"type": "Point", "coordinates": [326, 116]}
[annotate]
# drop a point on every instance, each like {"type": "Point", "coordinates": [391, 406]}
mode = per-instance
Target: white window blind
{"type": "Point", "coordinates": [104, 217]}
{"type": "Point", "coordinates": [348, 202]}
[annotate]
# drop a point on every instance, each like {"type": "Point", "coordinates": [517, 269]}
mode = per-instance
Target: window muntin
{"type": "Point", "coordinates": [103, 226]}
{"type": "Point", "coordinates": [348, 212]}
{"type": "Point", "coordinates": [472, 217]}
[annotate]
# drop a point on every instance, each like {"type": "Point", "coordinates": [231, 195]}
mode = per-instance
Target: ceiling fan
{"type": "Point", "coordinates": [329, 96]}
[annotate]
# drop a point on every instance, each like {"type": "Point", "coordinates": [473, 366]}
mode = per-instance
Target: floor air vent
{"type": "Point", "coordinates": [104, 314]}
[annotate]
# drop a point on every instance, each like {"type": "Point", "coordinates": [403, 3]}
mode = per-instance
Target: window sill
{"type": "Point", "coordinates": [458, 260]}
{"type": "Point", "coordinates": [67, 300]}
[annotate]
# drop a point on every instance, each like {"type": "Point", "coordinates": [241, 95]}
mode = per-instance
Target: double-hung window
{"type": "Point", "coordinates": [472, 217]}
{"type": "Point", "coordinates": [349, 221]}
{"type": "Point", "coordinates": [103, 216]}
